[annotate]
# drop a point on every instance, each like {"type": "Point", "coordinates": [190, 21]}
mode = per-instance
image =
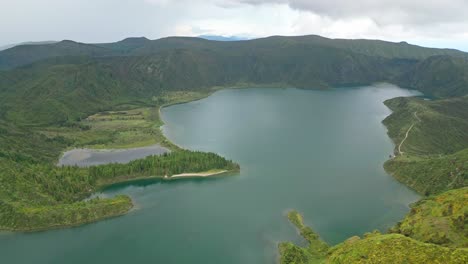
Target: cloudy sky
{"type": "Point", "coordinates": [438, 23]}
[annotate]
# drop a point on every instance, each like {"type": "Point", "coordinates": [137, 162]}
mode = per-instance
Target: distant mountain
{"type": "Point", "coordinates": [26, 54]}
{"type": "Point", "coordinates": [53, 83]}
{"type": "Point", "coordinates": [26, 43]}
{"type": "Point", "coordinates": [222, 38]}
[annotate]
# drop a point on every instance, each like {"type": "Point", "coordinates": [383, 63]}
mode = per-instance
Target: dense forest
{"type": "Point", "coordinates": [34, 194]}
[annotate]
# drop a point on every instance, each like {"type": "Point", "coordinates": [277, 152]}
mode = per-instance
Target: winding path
{"type": "Point", "coordinates": [407, 132]}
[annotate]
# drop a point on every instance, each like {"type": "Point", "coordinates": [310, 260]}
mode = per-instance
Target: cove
{"type": "Point", "coordinates": [320, 152]}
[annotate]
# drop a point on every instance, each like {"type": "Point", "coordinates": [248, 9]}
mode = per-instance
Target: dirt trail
{"type": "Point", "coordinates": [407, 132]}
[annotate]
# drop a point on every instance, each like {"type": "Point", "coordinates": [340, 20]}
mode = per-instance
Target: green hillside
{"type": "Point", "coordinates": [35, 194]}
{"type": "Point", "coordinates": [431, 174]}
{"type": "Point", "coordinates": [439, 76]}
{"type": "Point", "coordinates": [26, 54]}
{"type": "Point", "coordinates": [440, 219]}
{"type": "Point", "coordinates": [439, 125]}
{"type": "Point", "coordinates": [434, 154]}
{"type": "Point", "coordinates": [446, 215]}
{"type": "Point", "coordinates": [67, 89]}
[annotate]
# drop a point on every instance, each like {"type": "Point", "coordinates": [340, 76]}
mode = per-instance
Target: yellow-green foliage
{"type": "Point", "coordinates": [432, 174]}
{"type": "Point", "coordinates": [316, 246]}
{"type": "Point", "coordinates": [440, 219]}
{"type": "Point", "coordinates": [395, 249]}
{"type": "Point", "coordinates": [292, 254]}
{"type": "Point", "coordinates": [315, 251]}
{"type": "Point", "coordinates": [380, 248]}
{"type": "Point", "coordinates": [24, 218]}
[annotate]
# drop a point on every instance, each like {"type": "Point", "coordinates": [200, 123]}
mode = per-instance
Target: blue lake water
{"type": "Point", "coordinates": [320, 152]}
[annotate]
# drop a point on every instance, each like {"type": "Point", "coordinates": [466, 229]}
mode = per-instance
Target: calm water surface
{"type": "Point", "coordinates": [320, 152]}
{"type": "Point", "coordinates": [93, 157]}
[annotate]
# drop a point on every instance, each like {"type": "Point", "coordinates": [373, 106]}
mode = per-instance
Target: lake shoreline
{"type": "Point", "coordinates": [174, 147]}
{"type": "Point", "coordinates": [188, 175]}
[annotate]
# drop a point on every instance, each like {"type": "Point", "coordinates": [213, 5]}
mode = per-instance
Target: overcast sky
{"type": "Point", "coordinates": [438, 23]}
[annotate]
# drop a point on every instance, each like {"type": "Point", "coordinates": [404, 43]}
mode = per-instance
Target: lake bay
{"type": "Point", "coordinates": [319, 152]}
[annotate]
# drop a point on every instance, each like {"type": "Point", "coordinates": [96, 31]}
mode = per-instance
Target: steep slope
{"type": "Point", "coordinates": [67, 89]}
{"type": "Point", "coordinates": [439, 76]}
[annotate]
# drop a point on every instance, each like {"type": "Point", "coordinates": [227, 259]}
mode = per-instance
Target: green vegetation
{"type": "Point", "coordinates": [40, 195]}
{"type": "Point", "coordinates": [434, 155]}
{"type": "Point", "coordinates": [68, 94]}
{"type": "Point", "coordinates": [440, 219]}
{"type": "Point", "coordinates": [24, 218]}
{"type": "Point", "coordinates": [316, 249]}
{"type": "Point", "coordinates": [134, 127]}
{"type": "Point", "coordinates": [393, 248]}
{"type": "Point", "coordinates": [439, 126]}
{"type": "Point", "coordinates": [178, 162]}
{"type": "Point", "coordinates": [69, 81]}
{"type": "Point", "coordinates": [431, 148]}
{"type": "Point", "coordinates": [439, 76]}
{"type": "Point", "coordinates": [373, 248]}
{"type": "Point", "coordinates": [431, 174]}
{"type": "Point", "coordinates": [36, 195]}
{"type": "Point", "coordinates": [26, 54]}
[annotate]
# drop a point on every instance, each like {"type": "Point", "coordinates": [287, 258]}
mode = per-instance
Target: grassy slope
{"type": "Point", "coordinates": [373, 248]}
{"type": "Point", "coordinates": [133, 127]}
{"type": "Point", "coordinates": [432, 174]}
{"type": "Point", "coordinates": [435, 153]}
{"type": "Point", "coordinates": [440, 219]}
{"type": "Point", "coordinates": [394, 248]}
